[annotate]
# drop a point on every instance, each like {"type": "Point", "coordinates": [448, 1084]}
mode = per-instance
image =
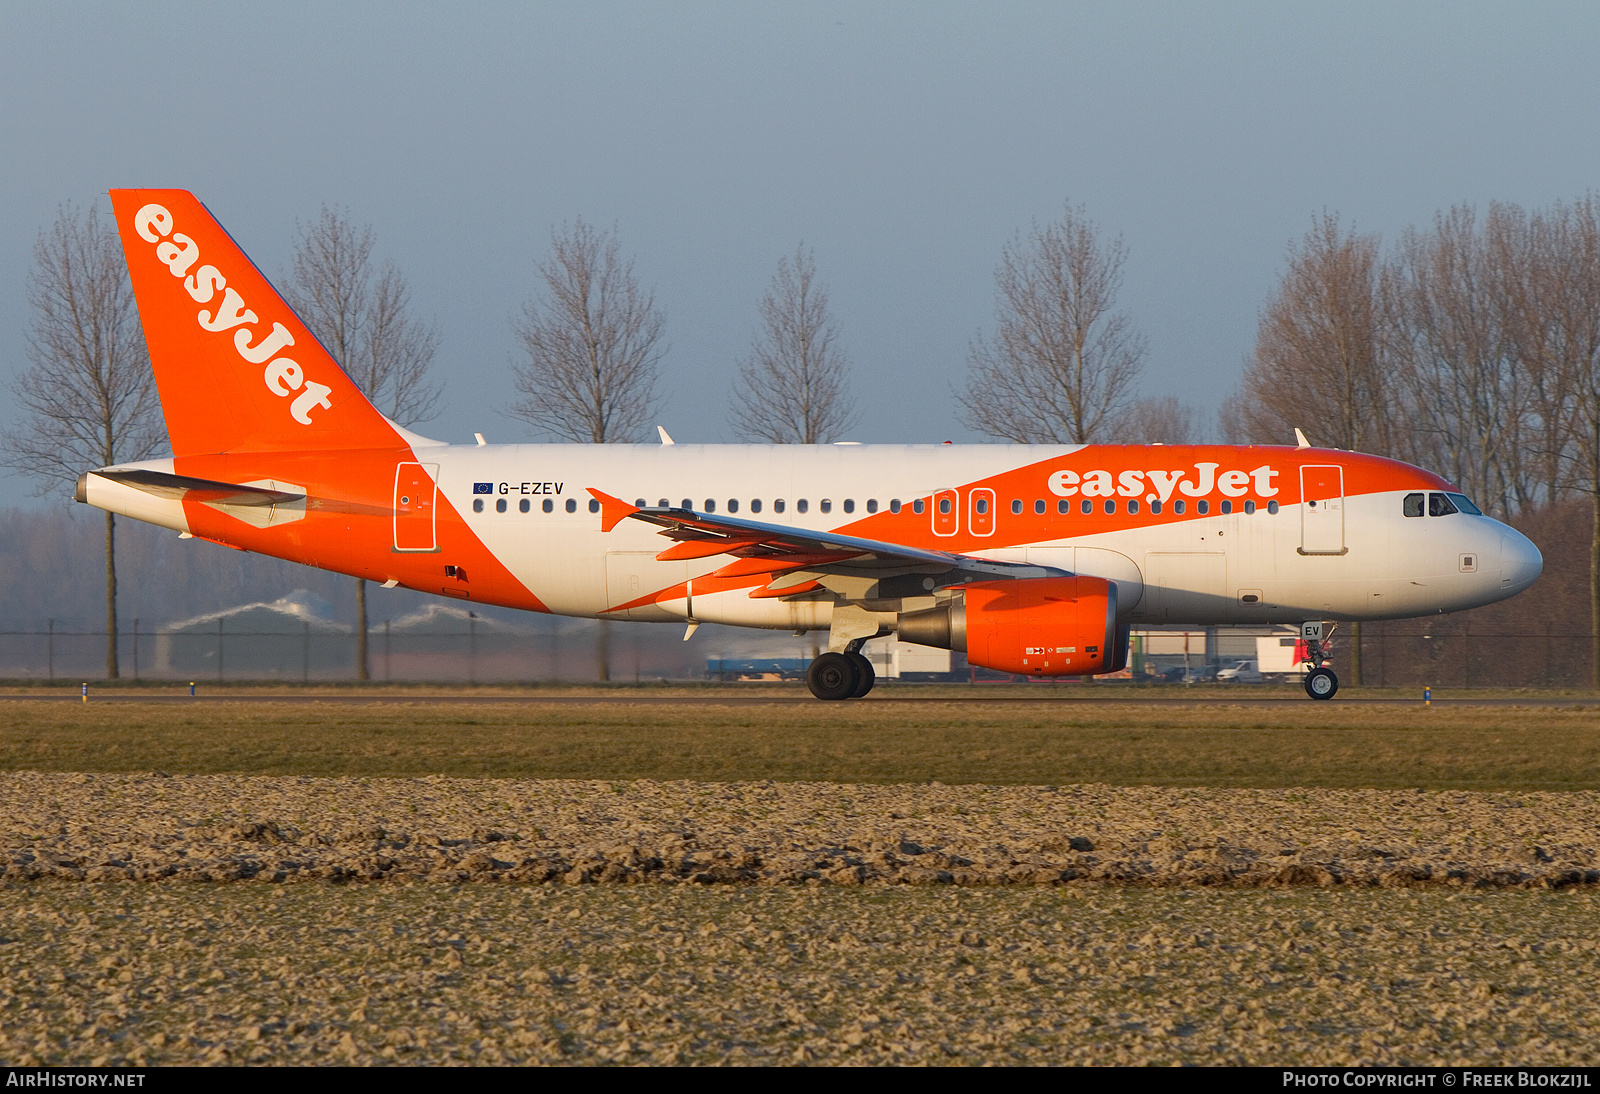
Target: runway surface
{"type": "Point", "coordinates": [722, 699]}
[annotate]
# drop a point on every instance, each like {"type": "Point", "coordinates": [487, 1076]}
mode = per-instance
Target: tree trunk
{"type": "Point", "coordinates": [1594, 592]}
{"type": "Point", "coordinates": [602, 651]}
{"type": "Point", "coordinates": [1355, 653]}
{"type": "Point", "coordinates": [111, 596]}
{"type": "Point", "coordinates": [362, 670]}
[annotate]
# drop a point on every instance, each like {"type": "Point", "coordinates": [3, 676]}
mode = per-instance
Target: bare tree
{"type": "Point", "coordinates": [1157, 420]}
{"type": "Point", "coordinates": [1321, 360]}
{"type": "Point", "coordinates": [361, 315]}
{"type": "Point", "coordinates": [792, 387]}
{"type": "Point", "coordinates": [1062, 364]}
{"type": "Point", "coordinates": [1468, 398]}
{"type": "Point", "coordinates": [89, 397]}
{"type": "Point", "coordinates": [592, 339]}
{"type": "Point", "coordinates": [1559, 341]}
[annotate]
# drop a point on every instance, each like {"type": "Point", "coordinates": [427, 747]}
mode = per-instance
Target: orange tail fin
{"type": "Point", "coordinates": [236, 369]}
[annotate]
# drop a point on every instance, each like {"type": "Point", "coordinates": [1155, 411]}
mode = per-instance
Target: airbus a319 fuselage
{"type": "Point", "coordinates": [1033, 559]}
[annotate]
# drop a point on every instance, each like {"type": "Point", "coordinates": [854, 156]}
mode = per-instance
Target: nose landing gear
{"type": "Point", "coordinates": [1321, 683]}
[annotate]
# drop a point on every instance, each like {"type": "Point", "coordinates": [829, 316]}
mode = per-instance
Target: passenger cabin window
{"type": "Point", "coordinates": [1440, 505]}
{"type": "Point", "coordinates": [1038, 507]}
{"type": "Point", "coordinates": [1016, 505]}
{"type": "Point", "coordinates": [944, 506]}
{"type": "Point", "coordinates": [801, 506]}
{"type": "Point", "coordinates": [849, 505]}
{"type": "Point", "coordinates": [1179, 506]}
{"type": "Point", "coordinates": [777, 505]}
{"type": "Point", "coordinates": [1249, 507]}
{"type": "Point", "coordinates": [1272, 507]}
{"type": "Point", "coordinates": [663, 503]}
{"type": "Point", "coordinates": [549, 505]}
{"type": "Point", "coordinates": [919, 506]}
{"type": "Point", "coordinates": [894, 505]}
{"type": "Point", "coordinates": [711, 505]}
{"type": "Point", "coordinates": [594, 505]}
{"type": "Point", "coordinates": [980, 504]}
{"type": "Point", "coordinates": [733, 505]}
{"type": "Point", "coordinates": [825, 505]}
{"type": "Point", "coordinates": [1111, 507]}
{"type": "Point", "coordinates": [524, 505]}
{"type": "Point", "coordinates": [1412, 506]}
{"type": "Point", "coordinates": [477, 505]}
{"type": "Point", "coordinates": [1133, 507]}
{"type": "Point", "coordinates": [872, 505]}
{"type": "Point", "coordinates": [1155, 507]}
{"type": "Point", "coordinates": [755, 505]}
{"type": "Point", "coordinates": [1088, 506]}
{"type": "Point", "coordinates": [572, 505]}
{"type": "Point", "coordinates": [500, 505]}
{"type": "Point", "coordinates": [1063, 507]}
{"type": "Point", "coordinates": [688, 503]}
{"type": "Point", "coordinates": [1227, 507]}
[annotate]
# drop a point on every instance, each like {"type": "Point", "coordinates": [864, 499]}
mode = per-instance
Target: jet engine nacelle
{"type": "Point", "coordinates": [1044, 626]}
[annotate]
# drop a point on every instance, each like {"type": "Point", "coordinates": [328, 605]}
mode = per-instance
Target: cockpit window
{"type": "Point", "coordinates": [1440, 506]}
{"type": "Point", "coordinates": [1464, 504]}
{"type": "Point", "coordinates": [1413, 505]}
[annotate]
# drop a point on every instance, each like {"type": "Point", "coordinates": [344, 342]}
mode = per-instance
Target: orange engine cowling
{"type": "Point", "coordinates": [1043, 626]}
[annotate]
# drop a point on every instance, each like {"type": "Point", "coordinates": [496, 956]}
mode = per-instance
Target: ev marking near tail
{"type": "Point", "coordinates": [282, 376]}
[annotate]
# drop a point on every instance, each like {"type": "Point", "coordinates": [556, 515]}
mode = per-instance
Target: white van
{"type": "Point", "coordinates": [1240, 672]}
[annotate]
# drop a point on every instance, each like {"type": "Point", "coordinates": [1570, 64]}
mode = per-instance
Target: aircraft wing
{"type": "Point", "coordinates": [801, 553]}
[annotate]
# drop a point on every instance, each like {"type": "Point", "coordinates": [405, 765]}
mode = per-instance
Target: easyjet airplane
{"type": "Point", "coordinates": [1032, 559]}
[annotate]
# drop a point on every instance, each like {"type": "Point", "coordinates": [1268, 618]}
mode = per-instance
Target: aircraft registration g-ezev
{"type": "Point", "coordinates": [1032, 559]}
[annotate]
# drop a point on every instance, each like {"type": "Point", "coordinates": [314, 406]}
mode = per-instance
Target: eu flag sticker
{"type": "Point", "coordinates": [483, 488]}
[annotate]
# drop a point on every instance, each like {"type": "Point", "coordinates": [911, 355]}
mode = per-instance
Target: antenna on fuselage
{"type": "Point", "coordinates": [1300, 439]}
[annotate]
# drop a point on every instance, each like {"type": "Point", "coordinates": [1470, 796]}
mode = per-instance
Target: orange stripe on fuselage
{"type": "Point", "coordinates": [1363, 474]}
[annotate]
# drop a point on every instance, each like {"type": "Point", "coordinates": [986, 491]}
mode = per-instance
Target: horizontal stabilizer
{"type": "Point", "coordinates": [182, 487]}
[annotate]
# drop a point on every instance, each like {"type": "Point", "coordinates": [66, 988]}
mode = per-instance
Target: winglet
{"type": "Point", "coordinates": [1300, 439]}
{"type": "Point", "coordinates": [665, 437]}
{"type": "Point", "coordinates": [612, 510]}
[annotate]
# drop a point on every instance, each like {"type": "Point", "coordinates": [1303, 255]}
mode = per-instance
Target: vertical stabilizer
{"type": "Point", "coordinates": [236, 369]}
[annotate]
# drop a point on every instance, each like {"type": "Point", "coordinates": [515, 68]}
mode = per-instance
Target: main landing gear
{"type": "Point", "coordinates": [845, 675]}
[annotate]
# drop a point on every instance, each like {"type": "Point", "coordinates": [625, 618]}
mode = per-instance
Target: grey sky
{"type": "Point", "coordinates": [905, 143]}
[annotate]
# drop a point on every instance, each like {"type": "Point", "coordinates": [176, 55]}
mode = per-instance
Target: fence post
{"type": "Point", "coordinates": [136, 649]}
{"type": "Point", "coordinates": [472, 648]}
{"type": "Point", "coordinates": [219, 649]}
{"type": "Point", "coordinates": [50, 653]}
{"type": "Point", "coordinates": [305, 653]}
